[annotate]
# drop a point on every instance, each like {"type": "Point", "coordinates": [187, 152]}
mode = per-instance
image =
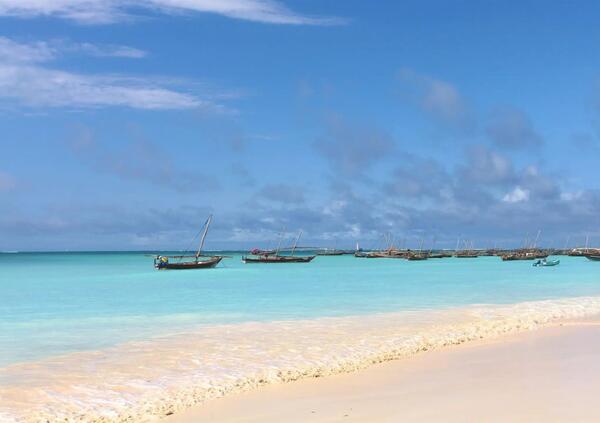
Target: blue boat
{"type": "Point", "coordinates": [546, 263]}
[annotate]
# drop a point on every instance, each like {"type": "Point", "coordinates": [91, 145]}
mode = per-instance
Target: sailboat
{"type": "Point", "coordinates": [269, 257]}
{"type": "Point", "coordinates": [417, 255]}
{"type": "Point", "coordinates": [198, 260]}
{"type": "Point", "coordinates": [331, 252]}
{"type": "Point", "coordinates": [468, 252]}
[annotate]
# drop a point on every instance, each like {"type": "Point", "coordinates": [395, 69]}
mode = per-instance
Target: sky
{"type": "Point", "coordinates": [124, 124]}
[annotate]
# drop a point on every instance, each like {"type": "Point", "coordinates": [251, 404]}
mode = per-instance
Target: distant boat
{"type": "Point", "coordinates": [467, 252]}
{"type": "Point", "coordinates": [277, 259]}
{"type": "Point", "coordinates": [390, 253]}
{"type": "Point", "coordinates": [259, 252]}
{"type": "Point", "coordinates": [439, 255]}
{"type": "Point", "coordinates": [331, 253]}
{"type": "Point", "coordinates": [524, 255]}
{"type": "Point", "coordinates": [274, 257]}
{"type": "Point", "coordinates": [546, 263]}
{"type": "Point", "coordinates": [593, 257]}
{"type": "Point", "coordinates": [412, 256]}
{"type": "Point", "coordinates": [199, 261]}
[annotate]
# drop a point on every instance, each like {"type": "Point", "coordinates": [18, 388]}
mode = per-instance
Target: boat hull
{"type": "Point", "coordinates": [438, 256]}
{"type": "Point", "coordinates": [547, 264]}
{"type": "Point", "coordinates": [277, 259]}
{"type": "Point", "coordinates": [593, 257]}
{"type": "Point", "coordinates": [204, 264]}
{"type": "Point", "coordinates": [416, 258]}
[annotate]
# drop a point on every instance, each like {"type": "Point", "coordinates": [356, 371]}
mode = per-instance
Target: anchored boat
{"type": "Point", "coordinates": [277, 259]}
{"type": "Point", "coordinates": [546, 263]}
{"type": "Point", "coordinates": [331, 253]}
{"type": "Point", "coordinates": [198, 260]}
{"type": "Point", "coordinates": [274, 257]}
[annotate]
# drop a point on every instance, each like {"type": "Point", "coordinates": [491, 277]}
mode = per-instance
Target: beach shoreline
{"type": "Point", "coordinates": [150, 379]}
{"type": "Point", "coordinates": [550, 374]}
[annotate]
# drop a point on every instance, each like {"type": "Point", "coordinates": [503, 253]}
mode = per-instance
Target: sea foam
{"type": "Point", "coordinates": [146, 379]}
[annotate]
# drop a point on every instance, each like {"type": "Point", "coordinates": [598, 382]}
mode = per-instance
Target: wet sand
{"type": "Point", "coordinates": [152, 378]}
{"type": "Point", "coordinates": [552, 374]}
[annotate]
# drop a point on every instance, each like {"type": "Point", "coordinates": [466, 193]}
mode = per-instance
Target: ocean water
{"type": "Point", "coordinates": [75, 325]}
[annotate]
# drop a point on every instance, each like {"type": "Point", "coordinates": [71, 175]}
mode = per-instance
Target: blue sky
{"type": "Point", "coordinates": [124, 123]}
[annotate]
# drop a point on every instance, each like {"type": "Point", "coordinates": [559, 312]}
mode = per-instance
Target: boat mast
{"type": "Point", "coordinates": [537, 237]}
{"type": "Point", "coordinates": [206, 225]}
{"type": "Point", "coordinates": [432, 246]}
{"type": "Point", "coordinates": [567, 242]}
{"type": "Point", "coordinates": [296, 242]}
{"type": "Point", "coordinates": [279, 243]}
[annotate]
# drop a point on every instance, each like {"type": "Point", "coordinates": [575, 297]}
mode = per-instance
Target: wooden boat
{"type": "Point", "coordinates": [546, 263]}
{"type": "Point", "coordinates": [584, 252]}
{"type": "Point", "coordinates": [258, 252]}
{"type": "Point", "coordinates": [199, 261]}
{"type": "Point", "coordinates": [196, 264]}
{"type": "Point", "coordinates": [466, 254]}
{"type": "Point", "coordinates": [439, 255]}
{"type": "Point", "coordinates": [331, 253]}
{"type": "Point", "coordinates": [276, 258]}
{"type": "Point", "coordinates": [394, 254]}
{"type": "Point", "coordinates": [416, 256]}
{"type": "Point", "coordinates": [524, 255]}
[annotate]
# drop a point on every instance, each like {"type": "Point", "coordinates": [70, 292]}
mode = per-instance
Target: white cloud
{"type": "Point", "coordinates": [39, 87]}
{"type": "Point", "coordinates": [26, 80]}
{"type": "Point", "coordinates": [104, 50]}
{"type": "Point", "coordinates": [517, 195]}
{"type": "Point", "coordinates": [44, 51]}
{"type": "Point", "coordinates": [110, 11]}
{"type": "Point", "coordinates": [13, 52]}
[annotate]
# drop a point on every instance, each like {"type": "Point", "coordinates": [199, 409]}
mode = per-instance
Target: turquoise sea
{"type": "Point", "coordinates": [56, 303]}
{"type": "Point", "coordinates": [104, 337]}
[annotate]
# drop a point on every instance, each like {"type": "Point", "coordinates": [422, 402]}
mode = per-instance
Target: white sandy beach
{"type": "Point", "coordinates": [552, 374]}
{"type": "Point", "coordinates": [330, 366]}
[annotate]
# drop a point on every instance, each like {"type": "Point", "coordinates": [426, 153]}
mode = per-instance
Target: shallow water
{"type": "Point", "coordinates": [106, 333]}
